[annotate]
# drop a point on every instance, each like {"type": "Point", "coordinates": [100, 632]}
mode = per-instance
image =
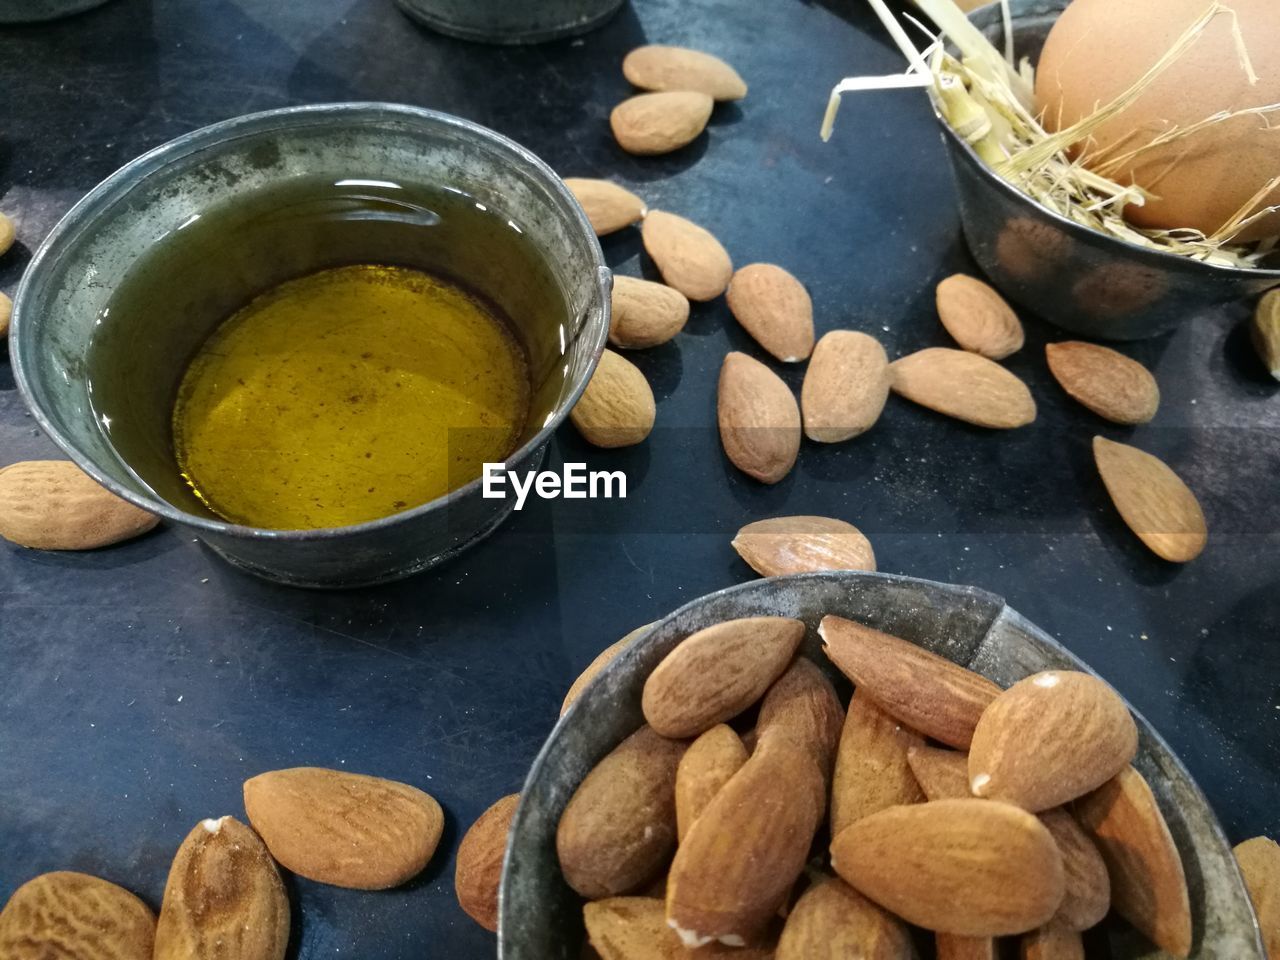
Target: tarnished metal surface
{"type": "Point", "coordinates": [511, 21]}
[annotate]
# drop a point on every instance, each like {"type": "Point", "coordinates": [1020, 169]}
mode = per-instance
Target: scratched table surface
{"type": "Point", "coordinates": [140, 685]}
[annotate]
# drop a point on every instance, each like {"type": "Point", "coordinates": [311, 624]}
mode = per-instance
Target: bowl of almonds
{"type": "Point", "coordinates": [810, 765]}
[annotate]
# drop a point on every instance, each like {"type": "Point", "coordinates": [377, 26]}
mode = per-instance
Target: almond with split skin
{"type": "Point", "coordinates": [54, 505]}
{"type": "Point", "coordinates": [635, 928]}
{"type": "Point", "coordinates": [845, 387]}
{"type": "Point", "coordinates": [716, 673]}
{"type": "Point", "coordinates": [708, 764]}
{"type": "Point", "coordinates": [803, 707]}
{"type": "Point", "coordinates": [942, 774]}
{"type": "Point", "coordinates": [655, 123]}
{"type": "Point", "coordinates": [832, 921]}
{"type": "Point", "coordinates": [978, 868]}
{"type": "Point", "coordinates": [645, 314]}
{"type": "Point", "coordinates": [619, 827]}
{"type": "Point", "coordinates": [1110, 384]}
{"type": "Point", "coordinates": [1148, 885]}
{"type": "Point", "coordinates": [479, 866]}
{"type": "Point", "coordinates": [783, 545]}
{"type": "Point", "coordinates": [1049, 739]}
{"type": "Point", "coordinates": [1266, 331]}
{"type": "Point", "coordinates": [344, 829]}
{"type": "Point", "coordinates": [964, 385]}
{"type": "Point", "coordinates": [688, 256]}
{"type": "Point", "coordinates": [927, 692]}
{"type": "Point", "coordinates": [1053, 942]}
{"type": "Point", "coordinates": [658, 67]}
{"type": "Point", "coordinates": [607, 205]}
{"type": "Point", "coordinates": [871, 771]}
{"type": "Point", "coordinates": [774, 307]}
{"type": "Point", "coordinates": [1153, 501]}
{"type": "Point", "coordinates": [617, 408]}
{"type": "Point", "coordinates": [758, 418]}
{"type": "Point", "coordinates": [602, 660]}
{"type": "Point", "coordinates": [1088, 888]}
{"type": "Point", "coordinates": [978, 318]}
{"type": "Point", "coordinates": [74, 915]}
{"type": "Point", "coordinates": [1259, 861]}
{"type": "Point", "coordinates": [223, 898]}
{"type": "Point", "coordinates": [952, 947]}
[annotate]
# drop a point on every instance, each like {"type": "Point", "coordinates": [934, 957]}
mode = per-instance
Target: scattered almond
{"type": "Point", "coordinates": [783, 545]}
{"type": "Point", "coordinates": [706, 766]}
{"type": "Point", "coordinates": [832, 921]}
{"type": "Point", "coordinates": [635, 928]}
{"type": "Point", "coordinates": [803, 707]}
{"type": "Point", "coordinates": [6, 314]}
{"type": "Point", "coordinates": [978, 318]}
{"type": "Point", "coordinates": [942, 774]}
{"type": "Point", "coordinates": [774, 307]}
{"type": "Point", "coordinates": [1148, 886]}
{"type": "Point", "coordinates": [76, 916]}
{"type": "Point", "coordinates": [845, 387]}
{"type": "Point", "coordinates": [619, 828]}
{"type": "Point", "coordinates": [1152, 500]}
{"type": "Point", "coordinates": [608, 206]}
{"type": "Point", "coordinates": [758, 417]}
{"type": "Point", "coordinates": [346, 829]}
{"type": "Point", "coordinates": [617, 408]}
{"type": "Point", "coordinates": [871, 771]}
{"type": "Point", "coordinates": [7, 233]}
{"type": "Point", "coordinates": [657, 67]}
{"type": "Point", "coordinates": [1053, 942]}
{"type": "Point", "coordinates": [479, 866]}
{"type": "Point", "coordinates": [1259, 861]}
{"type": "Point", "coordinates": [654, 123]}
{"type": "Point", "coordinates": [602, 660]}
{"type": "Point", "coordinates": [953, 947]}
{"type": "Point", "coordinates": [54, 505]}
{"type": "Point", "coordinates": [687, 255]}
{"type": "Point", "coordinates": [223, 898]}
{"type": "Point", "coordinates": [927, 692]}
{"type": "Point", "coordinates": [964, 385]}
{"type": "Point", "coordinates": [716, 673]}
{"type": "Point", "coordinates": [973, 867]}
{"type": "Point", "coordinates": [1266, 331]}
{"type": "Point", "coordinates": [1088, 887]}
{"type": "Point", "coordinates": [645, 314]}
{"type": "Point", "coordinates": [1107, 382]}
{"type": "Point", "coordinates": [1050, 738]}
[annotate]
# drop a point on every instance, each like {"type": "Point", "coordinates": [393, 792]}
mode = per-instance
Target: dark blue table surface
{"type": "Point", "coordinates": [140, 685]}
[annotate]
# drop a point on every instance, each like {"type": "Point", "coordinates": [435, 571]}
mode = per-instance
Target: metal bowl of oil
{"type": "Point", "coordinates": [301, 334]}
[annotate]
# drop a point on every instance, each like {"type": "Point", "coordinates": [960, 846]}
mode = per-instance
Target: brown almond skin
{"type": "Point", "coordinates": [774, 307]}
{"type": "Point", "coordinates": [635, 928]}
{"type": "Point", "coordinates": [964, 385]}
{"type": "Point", "coordinates": [657, 67]}
{"type": "Point", "coordinates": [479, 865]}
{"type": "Point", "coordinates": [1110, 384]}
{"type": "Point", "coordinates": [871, 771]}
{"type": "Point", "coordinates": [645, 314]}
{"type": "Point", "coordinates": [927, 692]}
{"type": "Point", "coordinates": [978, 868]}
{"type": "Point", "coordinates": [77, 916]}
{"type": "Point", "coordinates": [715, 674]}
{"type": "Point", "coordinates": [619, 827]}
{"type": "Point", "coordinates": [344, 829]}
{"type": "Point", "coordinates": [617, 408]}
{"type": "Point", "coordinates": [1148, 885]}
{"type": "Point", "coordinates": [608, 206]}
{"type": "Point", "coordinates": [656, 123]}
{"type": "Point", "coordinates": [783, 545]}
{"type": "Point", "coordinates": [845, 386]}
{"type": "Point", "coordinates": [708, 764]}
{"type": "Point", "coordinates": [602, 660]}
{"type": "Point", "coordinates": [952, 947]}
{"type": "Point", "coordinates": [1259, 861]}
{"type": "Point", "coordinates": [1088, 888]}
{"type": "Point", "coordinates": [54, 505]}
{"type": "Point", "coordinates": [942, 774]}
{"type": "Point", "coordinates": [978, 318]}
{"type": "Point", "coordinates": [688, 256]}
{"type": "Point", "coordinates": [832, 921]}
{"type": "Point", "coordinates": [1153, 501]}
{"type": "Point", "coordinates": [223, 898]}
{"type": "Point", "coordinates": [758, 418]}
{"type": "Point", "coordinates": [803, 706]}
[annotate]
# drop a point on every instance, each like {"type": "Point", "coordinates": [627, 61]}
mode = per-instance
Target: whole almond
{"type": "Point", "coordinates": [1152, 500]}
{"type": "Point", "coordinates": [1259, 861]}
{"type": "Point", "coordinates": [1050, 738]}
{"type": "Point", "coordinates": [979, 868]}
{"type": "Point", "coordinates": [617, 408]}
{"type": "Point", "coordinates": [774, 307]}
{"type": "Point", "coordinates": [964, 385]}
{"type": "Point", "coordinates": [345, 829]}
{"type": "Point", "coordinates": [942, 774]}
{"type": "Point", "coordinates": [782, 545]}
{"type": "Point", "coordinates": [657, 67]}
{"type": "Point", "coordinates": [706, 766]}
{"type": "Point", "coordinates": [1107, 382]}
{"type": "Point", "coordinates": [635, 928]}
{"type": "Point", "coordinates": [1148, 885]}
{"type": "Point", "coordinates": [927, 692]}
{"type": "Point", "coordinates": [645, 314]}
{"type": "Point", "coordinates": [953, 947]}
{"type": "Point", "coordinates": [6, 313]}
{"type": "Point", "coordinates": [223, 898]}
{"type": "Point", "coordinates": [602, 660]}
{"type": "Point", "coordinates": [479, 867]}
{"type": "Point", "coordinates": [1053, 942]}
{"type": "Point", "coordinates": [871, 771]}
{"type": "Point", "coordinates": [716, 673]}
{"type": "Point", "coordinates": [845, 387]}
{"type": "Point", "coordinates": [54, 505]}
{"type": "Point", "coordinates": [608, 206]}
{"type": "Point", "coordinates": [832, 921]}
{"type": "Point", "coordinates": [7, 233]}
{"type": "Point", "coordinates": [654, 123]}
{"type": "Point", "coordinates": [74, 915]}
{"type": "Point", "coordinates": [978, 318]}
{"type": "Point", "coordinates": [1266, 331]}
{"type": "Point", "coordinates": [803, 707]}
{"type": "Point", "coordinates": [758, 417]}
{"type": "Point", "coordinates": [619, 827]}
{"type": "Point", "coordinates": [687, 255]}
{"type": "Point", "coordinates": [1088, 887]}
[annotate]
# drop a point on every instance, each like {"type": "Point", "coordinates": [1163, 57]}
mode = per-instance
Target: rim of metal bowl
{"type": "Point", "coordinates": [226, 131]}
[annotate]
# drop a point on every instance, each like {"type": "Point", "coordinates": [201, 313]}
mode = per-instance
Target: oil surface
{"type": "Point", "coordinates": [348, 395]}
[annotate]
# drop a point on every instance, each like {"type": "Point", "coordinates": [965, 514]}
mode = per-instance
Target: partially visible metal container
{"type": "Point", "coordinates": [511, 21]}
{"type": "Point", "coordinates": [1075, 277]}
{"type": "Point", "coordinates": [32, 11]}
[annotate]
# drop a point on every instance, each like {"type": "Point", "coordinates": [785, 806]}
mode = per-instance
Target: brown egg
{"type": "Point", "coordinates": [1099, 48]}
